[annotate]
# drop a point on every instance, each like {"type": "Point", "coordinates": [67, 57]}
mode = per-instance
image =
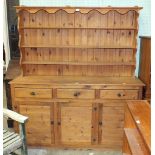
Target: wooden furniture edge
{"type": "Point", "coordinates": [147, 104]}
{"type": "Point", "coordinates": [139, 143]}
{"type": "Point", "coordinates": [73, 9]}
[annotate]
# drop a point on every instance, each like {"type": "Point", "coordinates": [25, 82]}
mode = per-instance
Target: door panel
{"type": "Point", "coordinates": [39, 129]}
{"type": "Point", "coordinates": [111, 124]}
{"type": "Point", "coordinates": [76, 123]}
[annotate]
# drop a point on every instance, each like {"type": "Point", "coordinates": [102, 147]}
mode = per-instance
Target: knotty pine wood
{"type": "Point", "coordinates": [106, 115]}
{"type": "Point", "coordinates": [76, 122]}
{"type": "Point", "coordinates": [39, 128]}
{"type": "Point", "coordinates": [119, 94]}
{"type": "Point", "coordinates": [111, 123]}
{"type": "Point", "coordinates": [35, 93]}
{"type": "Point", "coordinates": [75, 93]}
{"type": "Point", "coordinates": [88, 82]}
{"type": "Point", "coordinates": [67, 60]}
{"type": "Point", "coordinates": [66, 41]}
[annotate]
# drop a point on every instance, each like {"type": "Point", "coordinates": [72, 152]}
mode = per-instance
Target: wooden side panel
{"type": "Point", "coordinates": [111, 124]}
{"type": "Point", "coordinates": [74, 129]}
{"type": "Point", "coordinates": [145, 65]}
{"type": "Point", "coordinates": [38, 128]}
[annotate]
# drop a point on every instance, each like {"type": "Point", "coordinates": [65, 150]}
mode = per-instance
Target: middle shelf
{"type": "Point", "coordinates": [77, 46]}
{"type": "Point", "coordinates": [78, 63]}
{"type": "Point", "coordinates": [78, 38]}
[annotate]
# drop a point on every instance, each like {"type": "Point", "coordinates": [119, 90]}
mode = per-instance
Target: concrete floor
{"type": "Point", "coordinates": [42, 151]}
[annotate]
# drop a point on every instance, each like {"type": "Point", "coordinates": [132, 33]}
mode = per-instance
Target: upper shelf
{"type": "Point", "coordinates": [105, 28]}
{"type": "Point", "coordinates": [102, 10]}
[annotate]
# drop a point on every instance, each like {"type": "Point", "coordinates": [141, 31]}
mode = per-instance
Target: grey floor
{"type": "Point", "coordinates": [42, 151]}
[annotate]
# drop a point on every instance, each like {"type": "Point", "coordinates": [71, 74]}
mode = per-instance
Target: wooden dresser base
{"type": "Point", "coordinates": [80, 113]}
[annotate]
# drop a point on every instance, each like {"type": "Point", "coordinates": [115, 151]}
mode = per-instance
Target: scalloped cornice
{"type": "Point", "coordinates": [84, 10]}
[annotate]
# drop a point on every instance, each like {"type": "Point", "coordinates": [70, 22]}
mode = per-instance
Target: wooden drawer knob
{"type": "Point", "coordinates": [119, 95]}
{"type": "Point", "coordinates": [33, 93]}
{"type": "Point", "coordinates": [95, 108]}
{"type": "Point", "coordinates": [52, 122]}
{"type": "Point", "coordinates": [100, 123]}
{"type": "Point", "coordinates": [76, 94]}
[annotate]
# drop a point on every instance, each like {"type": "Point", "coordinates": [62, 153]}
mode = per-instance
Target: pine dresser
{"type": "Point", "coordinates": [78, 70]}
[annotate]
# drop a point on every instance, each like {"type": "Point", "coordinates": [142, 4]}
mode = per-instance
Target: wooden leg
{"type": "Point", "coordinates": [23, 135]}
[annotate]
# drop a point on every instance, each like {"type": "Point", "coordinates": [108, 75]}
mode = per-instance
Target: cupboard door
{"type": "Point", "coordinates": [111, 124]}
{"type": "Point", "coordinates": [74, 123]}
{"type": "Point", "coordinates": [39, 127]}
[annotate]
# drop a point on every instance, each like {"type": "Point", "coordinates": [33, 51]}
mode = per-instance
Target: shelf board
{"type": "Point", "coordinates": [86, 46]}
{"type": "Point", "coordinates": [78, 63]}
{"type": "Point", "coordinates": [106, 28]}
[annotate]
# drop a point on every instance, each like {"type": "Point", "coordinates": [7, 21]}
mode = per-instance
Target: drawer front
{"type": "Point", "coordinates": [33, 93]}
{"type": "Point", "coordinates": [76, 93]}
{"type": "Point", "coordinates": [119, 94]}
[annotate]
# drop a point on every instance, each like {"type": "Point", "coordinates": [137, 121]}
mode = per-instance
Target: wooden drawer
{"type": "Point", "coordinates": [76, 93]}
{"type": "Point", "coordinates": [119, 94]}
{"type": "Point", "coordinates": [33, 93]}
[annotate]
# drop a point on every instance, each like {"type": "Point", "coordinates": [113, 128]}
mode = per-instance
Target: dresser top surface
{"type": "Point", "coordinates": [141, 113]}
{"type": "Point", "coordinates": [78, 80]}
{"type": "Point", "coordinates": [67, 6]}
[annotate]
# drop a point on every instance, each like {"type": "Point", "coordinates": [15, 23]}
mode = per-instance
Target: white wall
{"type": "Point", "coordinates": [6, 34]}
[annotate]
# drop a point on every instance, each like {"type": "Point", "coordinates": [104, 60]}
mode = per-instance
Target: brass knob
{"type": "Point", "coordinates": [33, 93]}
